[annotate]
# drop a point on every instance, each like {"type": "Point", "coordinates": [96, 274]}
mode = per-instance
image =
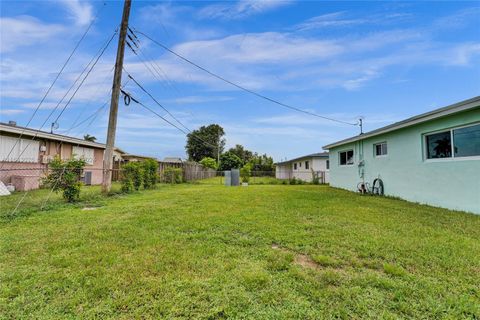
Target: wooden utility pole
{"type": "Point", "coordinates": [112, 121]}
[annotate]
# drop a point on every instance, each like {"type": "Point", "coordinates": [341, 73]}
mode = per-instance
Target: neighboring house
{"type": "Point", "coordinates": [432, 158]}
{"type": "Point", "coordinates": [26, 163]}
{"type": "Point", "coordinates": [172, 160]}
{"type": "Point", "coordinates": [304, 167]}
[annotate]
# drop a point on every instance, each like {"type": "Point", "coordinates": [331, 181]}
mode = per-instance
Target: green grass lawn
{"type": "Point", "coordinates": [259, 252]}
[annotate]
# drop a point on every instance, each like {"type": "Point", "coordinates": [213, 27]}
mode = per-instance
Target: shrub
{"type": "Point", "coordinates": [229, 161]}
{"type": "Point", "coordinates": [65, 176]}
{"type": "Point", "coordinates": [293, 181]}
{"type": "Point", "coordinates": [173, 175]}
{"type": "Point", "coordinates": [150, 168]}
{"type": "Point", "coordinates": [245, 173]}
{"type": "Point", "coordinates": [132, 176]}
{"type": "Point", "coordinates": [315, 177]}
{"type": "Point", "coordinates": [208, 162]}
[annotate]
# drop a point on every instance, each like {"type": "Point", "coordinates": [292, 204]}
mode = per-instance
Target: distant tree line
{"type": "Point", "coordinates": [205, 144]}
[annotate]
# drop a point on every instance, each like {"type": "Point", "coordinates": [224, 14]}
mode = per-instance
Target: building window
{"type": "Point", "coordinates": [439, 145]}
{"type": "Point", "coordinates": [307, 165]}
{"type": "Point", "coordinates": [13, 149]}
{"type": "Point", "coordinates": [86, 154]}
{"type": "Point", "coordinates": [328, 164]}
{"type": "Point", "coordinates": [300, 164]}
{"type": "Point", "coordinates": [346, 157]}
{"type": "Point", "coordinates": [466, 141]}
{"type": "Point", "coordinates": [380, 149]}
{"type": "Point", "coordinates": [295, 166]}
{"type": "Point", "coordinates": [454, 143]}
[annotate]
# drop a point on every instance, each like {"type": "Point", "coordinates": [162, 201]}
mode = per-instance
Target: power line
{"type": "Point", "coordinates": [55, 80]}
{"type": "Point", "coordinates": [242, 87]}
{"type": "Point", "coordinates": [190, 134]}
{"type": "Point", "coordinates": [86, 76]}
{"type": "Point", "coordinates": [51, 113]}
{"type": "Point", "coordinates": [156, 101]}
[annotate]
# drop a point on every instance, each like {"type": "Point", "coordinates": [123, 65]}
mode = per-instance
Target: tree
{"type": "Point", "coordinates": [261, 162]}
{"type": "Point", "coordinates": [88, 137]}
{"type": "Point", "coordinates": [229, 161]}
{"type": "Point", "coordinates": [65, 176]}
{"type": "Point", "coordinates": [208, 162]}
{"type": "Point", "coordinates": [205, 142]}
{"type": "Point", "coordinates": [244, 154]}
{"type": "Point", "coordinates": [246, 172]}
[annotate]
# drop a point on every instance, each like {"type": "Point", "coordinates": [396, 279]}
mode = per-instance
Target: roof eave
{"type": "Point", "coordinates": [428, 116]}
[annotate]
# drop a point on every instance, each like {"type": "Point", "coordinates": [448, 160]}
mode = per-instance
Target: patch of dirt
{"type": "Point", "coordinates": [305, 261]}
{"type": "Point", "coordinates": [300, 258]}
{"type": "Point", "coordinates": [89, 208]}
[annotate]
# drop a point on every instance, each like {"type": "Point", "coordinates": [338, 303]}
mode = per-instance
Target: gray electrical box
{"type": "Point", "coordinates": [88, 178]}
{"type": "Point", "coordinates": [235, 177]}
{"type": "Point", "coordinates": [228, 178]}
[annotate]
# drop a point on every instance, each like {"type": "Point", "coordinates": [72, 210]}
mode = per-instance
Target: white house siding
{"type": "Point", "coordinates": [288, 171]}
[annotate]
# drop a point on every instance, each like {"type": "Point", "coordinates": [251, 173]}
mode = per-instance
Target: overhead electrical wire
{"type": "Point", "coordinates": [189, 133]}
{"type": "Point", "coordinates": [102, 51]}
{"type": "Point", "coordinates": [156, 101]}
{"type": "Point", "coordinates": [80, 85]}
{"type": "Point", "coordinates": [55, 80]}
{"type": "Point", "coordinates": [242, 87]}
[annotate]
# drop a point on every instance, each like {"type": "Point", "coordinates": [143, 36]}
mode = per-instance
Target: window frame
{"type": "Point", "coordinates": [452, 145]}
{"type": "Point", "coordinates": [307, 165]}
{"type": "Point", "coordinates": [346, 164]}
{"type": "Point", "coordinates": [375, 149]}
{"type": "Point", "coordinates": [294, 166]}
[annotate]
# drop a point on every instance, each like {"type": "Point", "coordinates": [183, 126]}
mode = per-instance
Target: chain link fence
{"type": "Point", "coordinates": [30, 176]}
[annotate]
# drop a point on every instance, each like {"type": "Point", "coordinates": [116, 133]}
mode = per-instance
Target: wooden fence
{"type": "Point", "coordinates": [191, 170]}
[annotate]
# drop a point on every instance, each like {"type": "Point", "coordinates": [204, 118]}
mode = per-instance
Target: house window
{"type": "Point", "coordinates": [346, 157]}
{"type": "Point", "coordinates": [86, 154]}
{"type": "Point", "coordinates": [13, 149]}
{"type": "Point", "coordinates": [380, 149]}
{"type": "Point", "coordinates": [307, 165]}
{"type": "Point", "coordinates": [328, 164]}
{"type": "Point", "coordinates": [300, 164]}
{"type": "Point", "coordinates": [439, 145]}
{"type": "Point", "coordinates": [295, 166]}
{"type": "Point", "coordinates": [466, 141]}
{"type": "Point", "coordinates": [454, 143]}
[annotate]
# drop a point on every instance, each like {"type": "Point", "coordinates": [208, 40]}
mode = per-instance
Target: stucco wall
{"type": "Point", "coordinates": [287, 170]}
{"type": "Point", "coordinates": [38, 169]}
{"type": "Point", "coordinates": [453, 184]}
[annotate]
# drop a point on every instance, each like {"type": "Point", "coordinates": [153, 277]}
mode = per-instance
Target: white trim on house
{"type": "Point", "coordinates": [424, 117]}
{"type": "Point", "coordinates": [29, 133]}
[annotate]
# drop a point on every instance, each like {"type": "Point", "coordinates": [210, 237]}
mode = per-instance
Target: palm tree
{"type": "Point", "coordinates": [88, 137]}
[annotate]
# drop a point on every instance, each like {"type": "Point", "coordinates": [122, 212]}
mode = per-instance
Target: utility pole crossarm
{"type": "Point", "coordinates": [112, 121]}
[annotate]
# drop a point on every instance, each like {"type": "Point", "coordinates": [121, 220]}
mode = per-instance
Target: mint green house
{"type": "Point", "coordinates": [432, 158]}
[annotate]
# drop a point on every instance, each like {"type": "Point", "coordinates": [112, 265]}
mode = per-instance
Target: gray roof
{"type": "Point", "coordinates": [465, 105]}
{"type": "Point", "coordinates": [172, 160]}
{"type": "Point", "coordinates": [313, 155]}
{"type": "Point", "coordinates": [28, 132]}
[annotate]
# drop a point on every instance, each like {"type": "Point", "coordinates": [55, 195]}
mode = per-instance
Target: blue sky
{"type": "Point", "coordinates": [384, 61]}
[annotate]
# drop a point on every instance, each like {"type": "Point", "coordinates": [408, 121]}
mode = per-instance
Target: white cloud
{"type": "Point", "coordinates": [240, 9]}
{"type": "Point", "coordinates": [9, 112]}
{"type": "Point", "coordinates": [199, 99]}
{"type": "Point", "coordinates": [334, 19]}
{"type": "Point", "coordinates": [24, 31]}
{"type": "Point", "coordinates": [80, 11]}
